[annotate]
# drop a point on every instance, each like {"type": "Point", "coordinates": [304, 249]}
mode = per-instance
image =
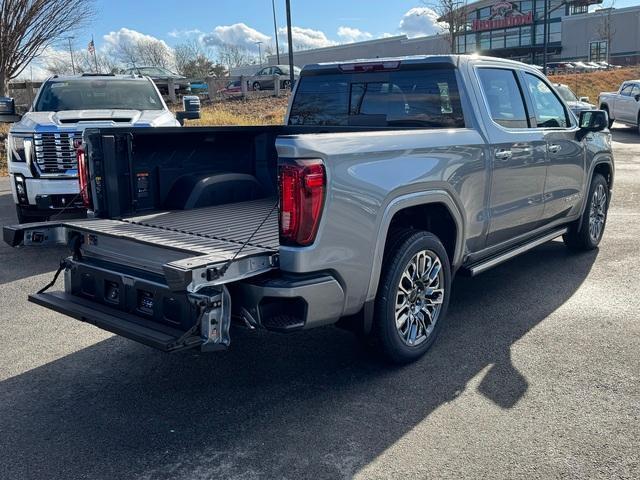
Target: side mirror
{"type": "Point", "coordinates": [8, 110]}
{"type": "Point", "coordinates": [593, 120]}
{"type": "Point", "coordinates": [191, 109]}
{"type": "Point", "coordinates": [584, 99]}
{"type": "Point", "coordinates": [637, 97]}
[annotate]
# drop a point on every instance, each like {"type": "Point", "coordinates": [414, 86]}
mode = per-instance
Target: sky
{"type": "Point", "coordinates": [161, 18]}
{"type": "Point", "coordinates": [317, 23]}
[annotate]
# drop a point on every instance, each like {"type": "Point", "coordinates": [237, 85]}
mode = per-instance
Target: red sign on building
{"type": "Point", "coordinates": [503, 15]}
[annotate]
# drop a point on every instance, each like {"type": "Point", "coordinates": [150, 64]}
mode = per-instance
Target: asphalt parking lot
{"type": "Point", "coordinates": [536, 375]}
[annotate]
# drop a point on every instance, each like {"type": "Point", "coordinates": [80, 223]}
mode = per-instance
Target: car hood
{"type": "Point", "coordinates": [579, 106]}
{"type": "Point", "coordinates": [81, 119]}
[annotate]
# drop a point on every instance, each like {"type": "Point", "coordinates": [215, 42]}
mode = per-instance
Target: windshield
{"type": "Point", "coordinates": [98, 95]}
{"type": "Point", "coordinates": [156, 71]}
{"type": "Point", "coordinates": [566, 93]}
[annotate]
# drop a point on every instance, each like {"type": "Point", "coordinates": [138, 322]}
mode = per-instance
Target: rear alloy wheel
{"type": "Point", "coordinates": [586, 233]}
{"type": "Point", "coordinates": [256, 86]}
{"type": "Point", "coordinates": [413, 296]}
{"type": "Point", "coordinates": [286, 84]}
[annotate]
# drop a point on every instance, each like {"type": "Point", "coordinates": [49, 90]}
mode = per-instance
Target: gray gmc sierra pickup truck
{"type": "Point", "coordinates": [389, 177]}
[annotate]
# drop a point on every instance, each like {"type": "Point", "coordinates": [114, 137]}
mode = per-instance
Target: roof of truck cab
{"type": "Point", "coordinates": [416, 60]}
{"type": "Point", "coordinates": [93, 77]}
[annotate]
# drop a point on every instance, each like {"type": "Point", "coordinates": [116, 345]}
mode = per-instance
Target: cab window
{"type": "Point", "coordinates": [548, 109]}
{"type": "Point", "coordinates": [503, 97]}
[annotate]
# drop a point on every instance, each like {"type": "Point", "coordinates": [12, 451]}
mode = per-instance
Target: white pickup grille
{"type": "Point", "coordinates": [55, 153]}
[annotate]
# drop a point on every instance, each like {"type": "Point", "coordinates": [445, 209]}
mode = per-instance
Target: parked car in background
{"type": "Point", "coordinates": [160, 77]}
{"type": "Point", "coordinates": [263, 79]}
{"type": "Point", "coordinates": [560, 67]}
{"type": "Point", "coordinates": [42, 145]}
{"type": "Point", "coordinates": [231, 89]}
{"type": "Point", "coordinates": [596, 65]}
{"type": "Point", "coordinates": [576, 104]}
{"type": "Point", "coordinates": [583, 67]}
{"type": "Point", "coordinates": [390, 176]}
{"type": "Point", "coordinates": [624, 105]}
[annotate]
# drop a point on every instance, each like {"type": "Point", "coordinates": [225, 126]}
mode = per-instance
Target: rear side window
{"type": "Point", "coordinates": [418, 98]}
{"type": "Point", "coordinates": [550, 112]}
{"type": "Point", "coordinates": [504, 97]}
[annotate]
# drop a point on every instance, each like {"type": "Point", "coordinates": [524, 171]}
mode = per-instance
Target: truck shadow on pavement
{"type": "Point", "coordinates": [312, 404]}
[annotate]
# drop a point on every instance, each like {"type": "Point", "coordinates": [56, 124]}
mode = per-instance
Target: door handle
{"type": "Point", "coordinates": [503, 154]}
{"type": "Point", "coordinates": [554, 148]}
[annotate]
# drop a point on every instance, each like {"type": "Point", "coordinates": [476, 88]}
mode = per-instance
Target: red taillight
{"type": "Point", "coordinates": [83, 177]}
{"type": "Point", "coordinates": [302, 186]}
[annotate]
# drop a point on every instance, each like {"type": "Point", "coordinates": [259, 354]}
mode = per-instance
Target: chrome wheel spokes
{"type": "Point", "coordinates": [597, 213]}
{"type": "Point", "coordinates": [419, 297]}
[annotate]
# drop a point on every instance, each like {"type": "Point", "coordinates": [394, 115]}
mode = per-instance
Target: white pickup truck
{"type": "Point", "coordinates": [41, 144]}
{"type": "Point", "coordinates": [624, 105]}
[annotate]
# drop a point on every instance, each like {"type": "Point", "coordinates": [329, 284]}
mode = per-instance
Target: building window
{"type": "Point", "coordinates": [598, 51]}
{"type": "Point", "coordinates": [485, 41]}
{"type": "Point", "coordinates": [497, 39]}
{"type": "Point", "coordinates": [485, 12]}
{"type": "Point", "coordinates": [525, 36]}
{"type": "Point", "coordinates": [512, 37]}
{"type": "Point", "coordinates": [526, 6]}
{"type": "Point", "coordinates": [578, 9]}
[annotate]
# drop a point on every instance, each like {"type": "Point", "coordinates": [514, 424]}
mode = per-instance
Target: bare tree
{"type": "Point", "coordinates": [59, 63]}
{"type": "Point", "coordinates": [193, 59]}
{"type": "Point", "coordinates": [27, 27]}
{"type": "Point", "coordinates": [143, 52]}
{"type": "Point", "coordinates": [453, 13]}
{"type": "Point", "coordinates": [234, 56]}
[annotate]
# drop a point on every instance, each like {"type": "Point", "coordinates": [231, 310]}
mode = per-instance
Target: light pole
{"type": "Point", "coordinates": [73, 66]}
{"type": "Point", "coordinates": [290, 40]}
{"type": "Point", "coordinates": [259, 52]}
{"type": "Point", "coordinates": [275, 28]}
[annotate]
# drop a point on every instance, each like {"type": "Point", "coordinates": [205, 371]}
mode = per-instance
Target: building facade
{"type": "Point", "coordinates": [512, 30]}
{"type": "Point", "coordinates": [515, 30]}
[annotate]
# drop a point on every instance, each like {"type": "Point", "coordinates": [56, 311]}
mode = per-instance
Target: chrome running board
{"type": "Point", "coordinates": [496, 260]}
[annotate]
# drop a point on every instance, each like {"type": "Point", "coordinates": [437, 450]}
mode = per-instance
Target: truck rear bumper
{"type": "Point", "coordinates": [286, 302]}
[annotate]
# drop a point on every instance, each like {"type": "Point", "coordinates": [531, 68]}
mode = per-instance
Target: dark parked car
{"type": "Point", "coordinates": [263, 80]}
{"type": "Point", "coordinates": [232, 88]}
{"type": "Point", "coordinates": [160, 77]}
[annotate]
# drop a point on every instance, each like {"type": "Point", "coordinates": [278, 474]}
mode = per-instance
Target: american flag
{"type": "Point", "coordinates": [91, 47]}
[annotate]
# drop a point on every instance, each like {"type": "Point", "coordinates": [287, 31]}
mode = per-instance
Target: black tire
{"type": "Point", "coordinates": [256, 86]}
{"type": "Point", "coordinates": [25, 218]}
{"type": "Point", "coordinates": [393, 344]}
{"type": "Point", "coordinates": [580, 235]}
{"type": "Point", "coordinates": [286, 85]}
{"type": "Point", "coordinates": [606, 109]}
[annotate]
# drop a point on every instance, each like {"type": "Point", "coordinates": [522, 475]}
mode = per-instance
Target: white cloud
{"type": "Point", "coordinates": [238, 34]}
{"type": "Point", "coordinates": [350, 35]}
{"type": "Point", "coordinates": [127, 37]}
{"type": "Point", "coordinates": [420, 21]}
{"type": "Point", "coordinates": [175, 33]}
{"type": "Point", "coordinates": [306, 38]}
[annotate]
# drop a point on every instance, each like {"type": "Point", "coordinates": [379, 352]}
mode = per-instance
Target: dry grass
{"type": "Point", "coordinates": [592, 84]}
{"type": "Point", "coordinates": [256, 111]}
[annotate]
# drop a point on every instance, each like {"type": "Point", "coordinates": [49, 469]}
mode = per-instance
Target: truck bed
{"type": "Point", "coordinates": [191, 249]}
{"type": "Point", "coordinates": [217, 231]}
